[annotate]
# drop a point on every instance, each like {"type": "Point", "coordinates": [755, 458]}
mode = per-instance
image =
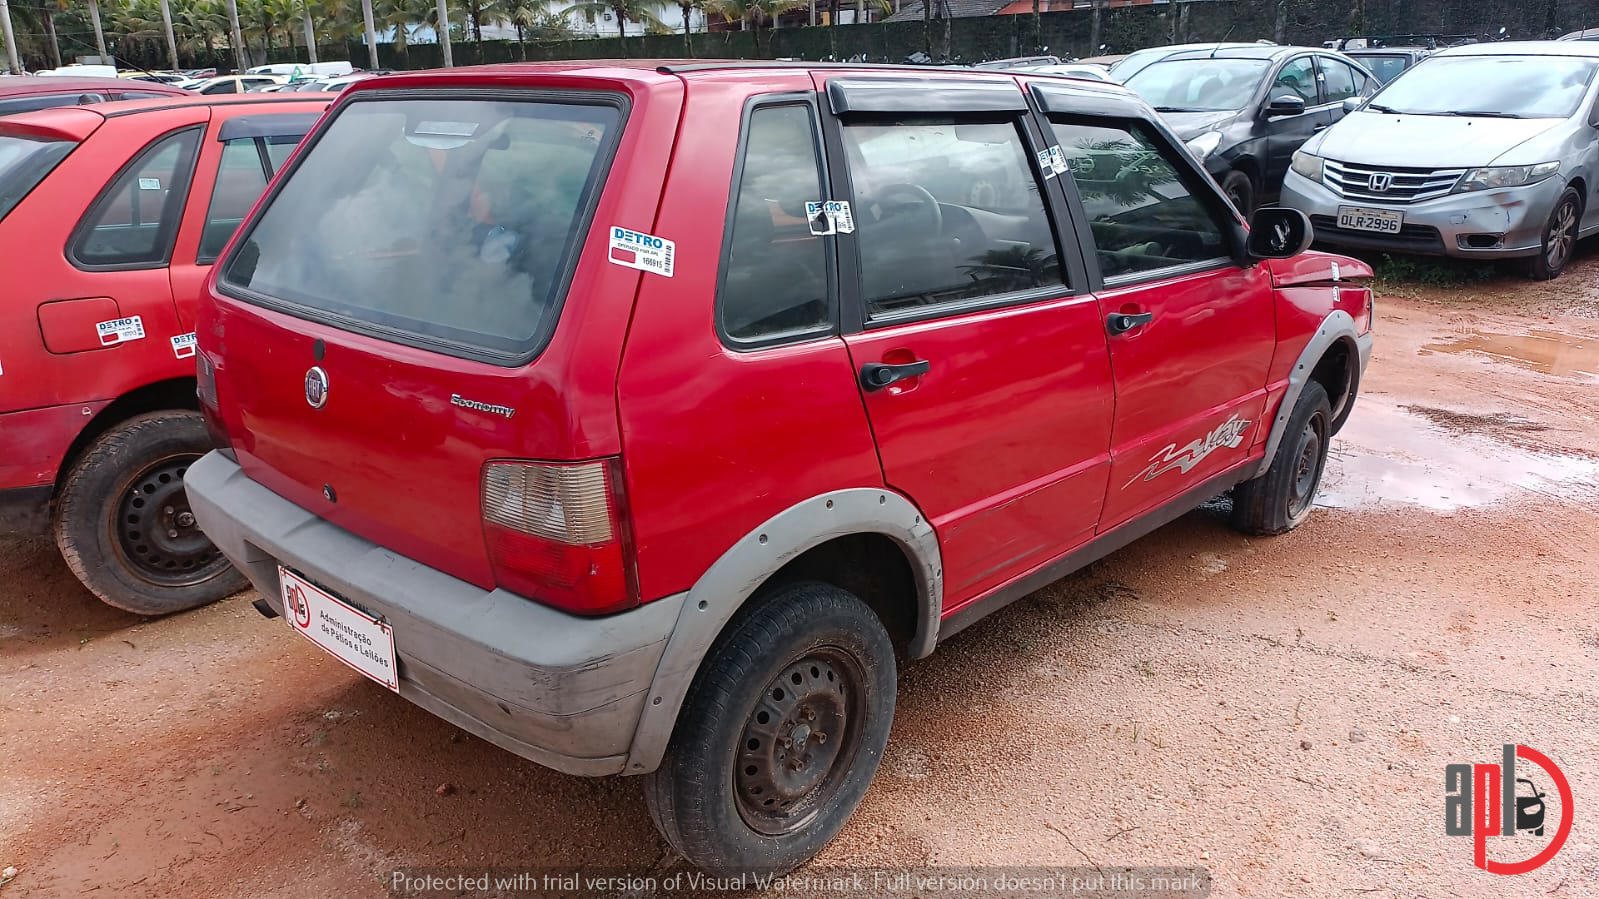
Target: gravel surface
{"type": "Point", "coordinates": [1278, 711]}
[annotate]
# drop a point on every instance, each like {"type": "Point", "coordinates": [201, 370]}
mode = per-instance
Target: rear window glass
{"type": "Point", "coordinates": [450, 222]}
{"type": "Point", "coordinates": [24, 162]}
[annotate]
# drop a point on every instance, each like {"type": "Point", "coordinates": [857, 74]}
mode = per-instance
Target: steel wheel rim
{"type": "Point", "coordinates": [155, 530]}
{"type": "Point", "coordinates": [799, 741]}
{"type": "Point", "coordinates": [1562, 234]}
{"type": "Point", "coordinates": [1307, 470]}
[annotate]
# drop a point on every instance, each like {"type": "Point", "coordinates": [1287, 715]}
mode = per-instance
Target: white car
{"type": "Point", "coordinates": [237, 84]}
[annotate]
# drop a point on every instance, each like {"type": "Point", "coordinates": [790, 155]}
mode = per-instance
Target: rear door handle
{"type": "Point", "coordinates": [1322, 127]}
{"type": "Point", "coordinates": [877, 375]}
{"type": "Point", "coordinates": [1122, 322]}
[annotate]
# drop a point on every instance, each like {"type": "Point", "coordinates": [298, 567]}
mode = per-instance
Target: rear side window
{"type": "Point", "coordinates": [135, 220]}
{"type": "Point", "coordinates": [24, 162]}
{"type": "Point", "coordinates": [946, 211]}
{"type": "Point", "coordinates": [775, 278]}
{"type": "Point", "coordinates": [447, 223]}
{"type": "Point", "coordinates": [1143, 215]}
{"type": "Point", "coordinates": [240, 180]}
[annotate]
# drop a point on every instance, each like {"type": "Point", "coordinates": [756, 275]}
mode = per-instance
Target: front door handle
{"type": "Point", "coordinates": [877, 375]}
{"type": "Point", "coordinates": [1122, 322]}
{"type": "Point", "coordinates": [1319, 128]}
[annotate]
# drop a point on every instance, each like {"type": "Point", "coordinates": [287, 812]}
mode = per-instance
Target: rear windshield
{"type": "Point", "coordinates": [447, 223]}
{"type": "Point", "coordinates": [24, 162]}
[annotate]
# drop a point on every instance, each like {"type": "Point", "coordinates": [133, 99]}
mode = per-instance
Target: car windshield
{"type": "Point", "coordinates": [1386, 66]}
{"type": "Point", "coordinates": [1199, 85]}
{"type": "Point", "coordinates": [1500, 86]}
{"type": "Point", "coordinates": [449, 222]}
{"type": "Point", "coordinates": [24, 162]}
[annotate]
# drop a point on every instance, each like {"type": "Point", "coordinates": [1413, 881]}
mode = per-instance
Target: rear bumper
{"type": "Point", "coordinates": [563, 691]}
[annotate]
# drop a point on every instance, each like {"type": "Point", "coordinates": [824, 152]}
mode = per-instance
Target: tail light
{"type": "Point", "coordinates": [559, 533]}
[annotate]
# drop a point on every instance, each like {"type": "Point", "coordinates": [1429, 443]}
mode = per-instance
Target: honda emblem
{"type": "Point", "coordinates": [1379, 182]}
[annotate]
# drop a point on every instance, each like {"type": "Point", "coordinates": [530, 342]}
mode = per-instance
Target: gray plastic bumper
{"type": "Point", "coordinates": [563, 691]}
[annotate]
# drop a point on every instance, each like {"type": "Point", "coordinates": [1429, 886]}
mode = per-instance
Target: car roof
{"type": "Point", "coordinates": [120, 108]}
{"type": "Point", "coordinates": [66, 84]}
{"type": "Point", "coordinates": [1242, 51]}
{"type": "Point", "coordinates": [1525, 48]}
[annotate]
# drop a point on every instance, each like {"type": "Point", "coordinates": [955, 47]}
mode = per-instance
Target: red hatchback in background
{"type": "Point", "coordinates": [644, 418]}
{"type": "Point", "coordinates": [110, 217]}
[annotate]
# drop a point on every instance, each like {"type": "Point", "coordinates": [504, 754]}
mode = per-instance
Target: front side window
{"type": "Point", "coordinates": [240, 180]}
{"type": "Point", "coordinates": [451, 223]}
{"type": "Point", "coordinates": [1297, 79]}
{"type": "Point", "coordinates": [946, 211]}
{"type": "Point", "coordinates": [1143, 216]}
{"type": "Point", "coordinates": [774, 282]}
{"type": "Point", "coordinates": [1339, 80]}
{"type": "Point", "coordinates": [135, 220]}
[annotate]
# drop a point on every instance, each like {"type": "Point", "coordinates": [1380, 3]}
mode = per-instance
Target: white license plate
{"type": "Point", "coordinates": [349, 634]}
{"type": "Point", "coordinates": [1380, 220]}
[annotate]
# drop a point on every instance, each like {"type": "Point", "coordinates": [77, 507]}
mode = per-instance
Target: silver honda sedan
{"type": "Point", "coordinates": [1481, 152]}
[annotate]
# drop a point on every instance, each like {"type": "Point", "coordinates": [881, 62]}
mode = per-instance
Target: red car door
{"type": "Point", "coordinates": [979, 351]}
{"type": "Point", "coordinates": [1191, 333]}
{"type": "Point", "coordinates": [243, 148]}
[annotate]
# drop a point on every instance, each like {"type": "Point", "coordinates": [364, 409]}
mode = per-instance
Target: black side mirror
{"type": "Point", "coordinates": [1352, 103]}
{"type": "Point", "coordinates": [1287, 104]}
{"type": "Point", "coordinates": [1276, 232]}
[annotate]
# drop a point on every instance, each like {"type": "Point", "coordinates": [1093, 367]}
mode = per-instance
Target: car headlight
{"type": "Point", "coordinates": [1205, 144]}
{"type": "Point", "coordinates": [1506, 176]}
{"type": "Point", "coordinates": [1306, 165]}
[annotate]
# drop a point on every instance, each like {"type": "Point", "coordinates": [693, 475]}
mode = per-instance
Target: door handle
{"type": "Point", "coordinates": [877, 375]}
{"type": "Point", "coordinates": [1122, 322]}
{"type": "Point", "coordinates": [1322, 127]}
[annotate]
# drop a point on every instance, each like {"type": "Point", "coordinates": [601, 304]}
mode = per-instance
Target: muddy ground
{"type": "Point", "coordinates": [1277, 711]}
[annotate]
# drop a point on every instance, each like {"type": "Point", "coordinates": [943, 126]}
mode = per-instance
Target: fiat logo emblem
{"type": "Point", "coordinates": [316, 387]}
{"type": "Point", "coordinates": [1379, 182]}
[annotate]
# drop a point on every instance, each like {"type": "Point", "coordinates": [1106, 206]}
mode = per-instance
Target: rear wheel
{"type": "Point", "coordinates": [1240, 189]}
{"type": "Point", "coordinates": [780, 735]}
{"type": "Point", "coordinates": [1280, 500]}
{"type": "Point", "coordinates": [1559, 238]}
{"type": "Point", "coordinates": [123, 523]}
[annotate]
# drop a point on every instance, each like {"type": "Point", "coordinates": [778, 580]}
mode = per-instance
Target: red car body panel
{"type": "Point", "coordinates": [1031, 435]}
{"type": "Point", "coordinates": [56, 375]}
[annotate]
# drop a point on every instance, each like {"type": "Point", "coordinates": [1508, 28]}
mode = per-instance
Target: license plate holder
{"type": "Point", "coordinates": [1361, 218]}
{"type": "Point", "coordinates": [343, 631]}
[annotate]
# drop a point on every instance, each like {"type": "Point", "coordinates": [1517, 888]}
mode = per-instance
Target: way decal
{"type": "Point", "coordinates": [1052, 162]}
{"type": "Point", "coordinates": [645, 252]}
{"type": "Point", "coordinates": [120, 330]}
{"type": "Point", "coordinates": [1229, 433]}
{"type": "Point", "coordinates": [830, 217]}
{"type": "Point", "coordinates": [183, 345]}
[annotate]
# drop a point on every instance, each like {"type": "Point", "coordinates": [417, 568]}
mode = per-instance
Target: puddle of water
{"type": "Point", "coordinates": [1387, 455]}
{"type": "Point", "coordinates": [1548, 352]}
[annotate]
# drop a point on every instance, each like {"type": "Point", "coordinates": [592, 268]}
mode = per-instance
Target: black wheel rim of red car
{"type": "Point", "coordinates": [1307, 473]}
{"type": "Point", "coordinates": [799, 741]}
{"type": "Point", "coordinates": [156, 530]}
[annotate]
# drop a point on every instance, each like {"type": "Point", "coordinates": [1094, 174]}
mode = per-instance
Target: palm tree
{"type": "Point", "coordinates": [166, 30]}
{"type": "Point", "coordinates": [751, 13]}
{"type": "Point", "coordinates": [688, 7]}
{"type": "Point", "coordinates": [241, 60]}
{"type": "Point", "coordinates": [624, 10]}
{"type": "Point", "coordinates": [99, 33]}
{"type": "Point", "coordinates": [371, 33]}
{"type": "Point", "coordinates": [12, 64]}
{"type": "Point", "coordinates": [310, 30]}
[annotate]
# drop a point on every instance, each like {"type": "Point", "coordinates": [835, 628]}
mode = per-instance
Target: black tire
{"type": "Point", "coordinates": [718, 798]}
{"type": "Point", "coordinates": [1281, 499]}
{"type": "Point", "coordinates": [123, 523]}
{"type": "Point", "coordinates": [1559, 238]}
{"type": "Point", "coordinates": [1240, 189]}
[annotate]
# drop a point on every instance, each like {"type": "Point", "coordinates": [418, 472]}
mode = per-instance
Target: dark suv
{"type": "Point", "coordinates": [1245, 110]}
{"type": "Point", "coordinates": [644, 419]}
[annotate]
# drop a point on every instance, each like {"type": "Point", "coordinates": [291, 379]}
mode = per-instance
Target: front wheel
{"type": "Point", "coordinates": [780, 735]}
{"type": "Point", "coordinates": [123, 524]}
{"type": "Point", "coordinates": [1240, 189]}
{"type": "Point", "coordinates": [1559, 238]}
{"type": "Point", "coordinates": [1280, 500]}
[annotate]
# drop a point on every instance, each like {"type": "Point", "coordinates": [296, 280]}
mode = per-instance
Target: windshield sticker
{"type": "Point", "coordinates": [149, 183]}
{"type": "Point", "coordinates": [645, 252]}
{"type": "Point", "coordinates": [183, 345]}
{"type": "Point", "coordinates": [120, 330]}
{"type": "Point", "coordinates": [447, 129]}
{"type": "Point", "coordinates": [830, 217]}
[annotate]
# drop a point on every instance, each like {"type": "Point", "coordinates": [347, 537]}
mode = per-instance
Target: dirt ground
{"type": "Point", "coordinates": [1277, 711]}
